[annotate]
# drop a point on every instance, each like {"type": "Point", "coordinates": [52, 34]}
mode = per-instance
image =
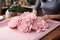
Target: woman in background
{"type": "Point", "coordinates": [50, 9]}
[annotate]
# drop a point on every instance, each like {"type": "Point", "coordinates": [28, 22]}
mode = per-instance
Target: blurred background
{"type": "Point", "coordinates": [4, 4]}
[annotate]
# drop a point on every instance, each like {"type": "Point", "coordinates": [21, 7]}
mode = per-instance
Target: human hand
{"type": "Point", "coordinates": [46, 17]}
{"type": "Point", "coordinates": [34, 11]}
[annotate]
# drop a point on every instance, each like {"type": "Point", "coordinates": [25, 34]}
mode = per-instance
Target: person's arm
{"type": "Point", "coordinates": [37, 6]}
{"type": "Point", "coordinates": [46, 17]}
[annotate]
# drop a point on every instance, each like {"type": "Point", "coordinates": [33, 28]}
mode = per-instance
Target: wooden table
{"type": "Point", "coordinates": [52, 35]}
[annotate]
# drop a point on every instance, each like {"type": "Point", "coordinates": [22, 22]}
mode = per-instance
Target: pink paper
{"type": "Point", "coordinates": [9, 34]}
{"type": "Point", "coordinates": [4, 23]}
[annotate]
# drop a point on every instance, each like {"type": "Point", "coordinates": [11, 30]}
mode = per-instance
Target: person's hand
{"type": "Point", "coordinates": [46, 17]}
{"type": "Point", "coordinates": [34, 11]}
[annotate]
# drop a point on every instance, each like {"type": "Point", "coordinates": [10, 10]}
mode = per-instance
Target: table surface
{"type": "Point", "coordinates": [55, 34]}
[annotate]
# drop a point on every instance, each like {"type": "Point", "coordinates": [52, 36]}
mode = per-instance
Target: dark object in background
{"type": "Point", "coordinates": [43, 0]}
{"type": "Point", "coordinates": [56, 19]}
{"type": "Point", "coordinates": [32, 2]}
{"type": "Point", "coordinates": [22, 9]}
{"type": "Point", "coordinates": [3, 11]}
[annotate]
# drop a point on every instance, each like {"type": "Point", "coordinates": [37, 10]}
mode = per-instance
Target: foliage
{"type": "Point", "coordinates": [14, 7]}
